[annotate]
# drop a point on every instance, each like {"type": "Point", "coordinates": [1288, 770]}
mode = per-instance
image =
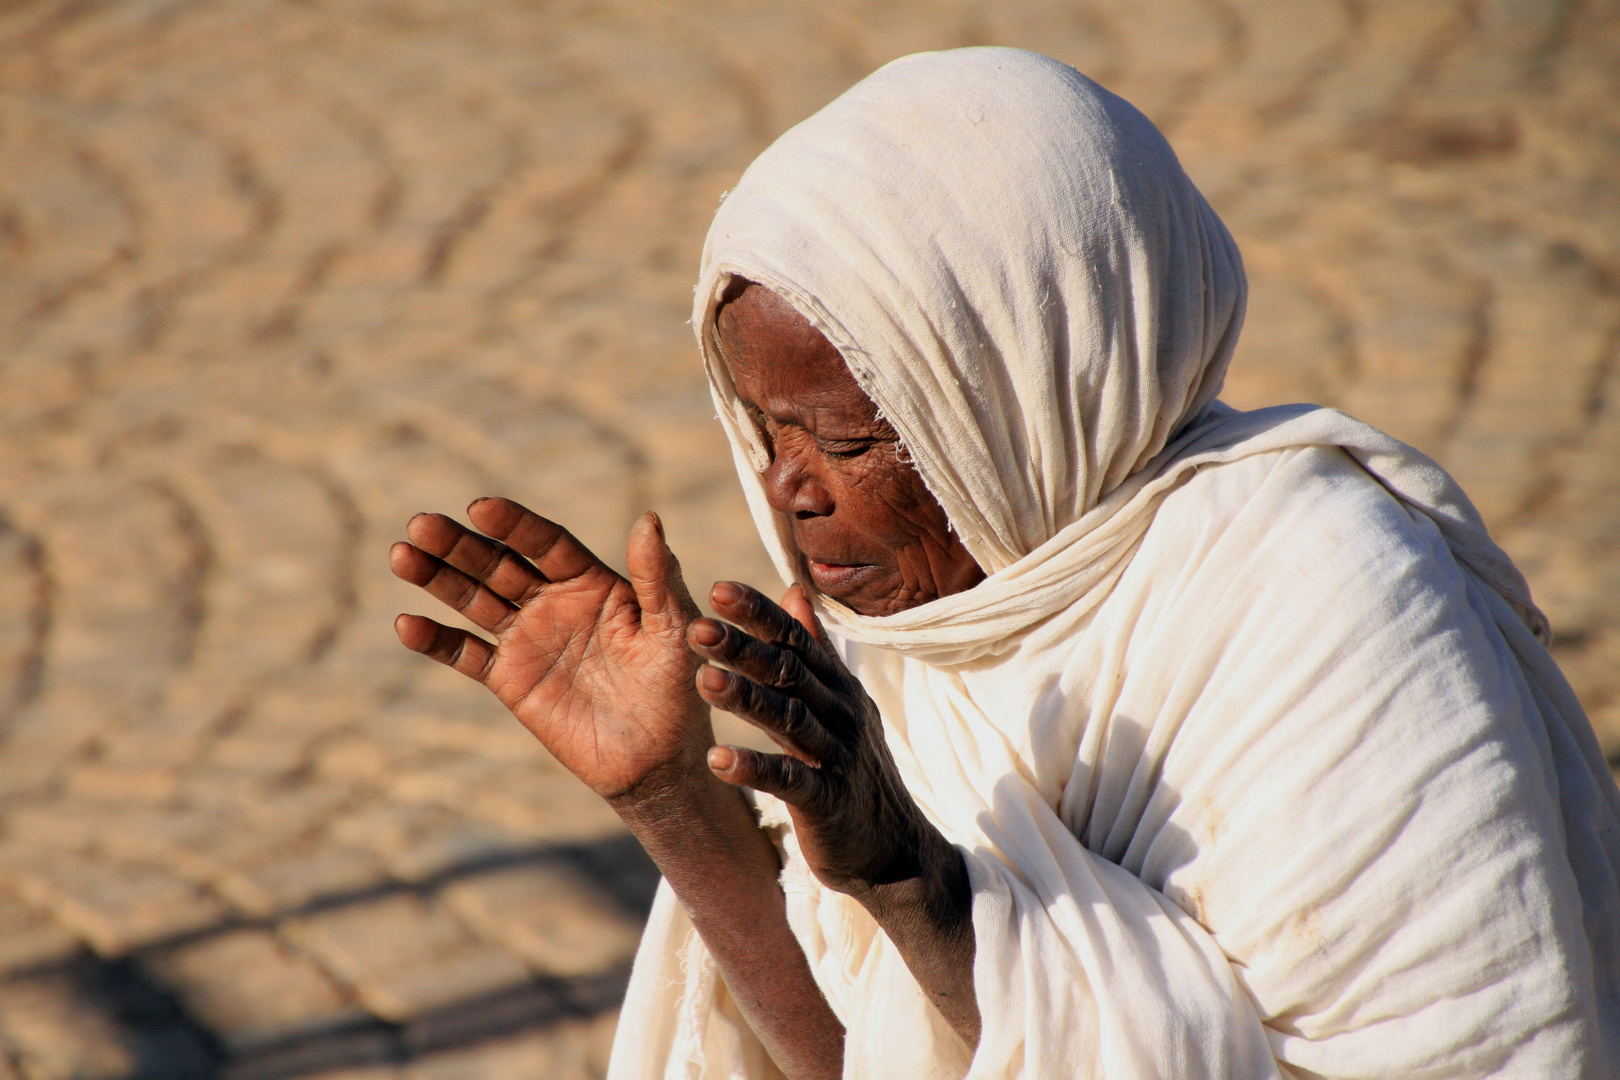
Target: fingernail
{"type": "Point", "coordinates": [725, 592]}
{"type": "Point", "coordinates": [658, 523]}
{"type": "Point", "coordinates": [712, 679]}
{"type": "Point", "coordinates": [722, 758]}
{"type": "Point", "coordinates": [708, 633]}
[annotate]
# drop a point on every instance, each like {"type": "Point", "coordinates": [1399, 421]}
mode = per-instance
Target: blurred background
{"type": "Point", "coordinates": [276, 275]}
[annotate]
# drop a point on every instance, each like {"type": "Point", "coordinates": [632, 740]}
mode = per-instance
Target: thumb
{"type": "Point", "coordinates": [798, 605]}
{"type": "Point", "coordinates": [655, 574]}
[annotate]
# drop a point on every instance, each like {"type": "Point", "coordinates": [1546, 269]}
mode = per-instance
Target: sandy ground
{"type": "Point", "coordinates": [273, 276]}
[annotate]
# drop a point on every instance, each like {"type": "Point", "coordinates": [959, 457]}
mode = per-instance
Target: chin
{"type": "Point", "coordinates": [875, 604]}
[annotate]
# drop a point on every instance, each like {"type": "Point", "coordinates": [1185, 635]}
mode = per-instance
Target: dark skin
{"type": "Point", "coordinates": [616, 675]}
{"type": "Point", "coordinates": [870, 532]}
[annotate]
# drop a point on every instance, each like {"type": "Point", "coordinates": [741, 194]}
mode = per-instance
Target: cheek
{"type": "Point", "coordinates": [889, 501]}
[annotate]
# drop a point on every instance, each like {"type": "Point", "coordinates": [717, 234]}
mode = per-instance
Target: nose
{"type": "Point", "coordinates": [792, 486]}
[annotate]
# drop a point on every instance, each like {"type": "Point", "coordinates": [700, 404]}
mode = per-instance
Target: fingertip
{"type": "Point", "coordinates": [722, 759]}
{"type": "Point", "coordinates": [713, 680]}
{"type": "Point", "coordinates": [485, 512]}
{"type": "Point", "coordinates": [401, 560]}
{"type": "Point", "coordinates": [431, 531]}
{"type": "Point", "coordinates": [648, 521]}
{"type": "Point", "coordinates": [405, 628]}
{"type": "Point", "coordinates": [796, 602]}
{"type": "Point", "coordinates": [706, 633]}
{"type": "Point", "coordinates": [725, 594]}
{"type": "Point", "coordinates": [650, 564]}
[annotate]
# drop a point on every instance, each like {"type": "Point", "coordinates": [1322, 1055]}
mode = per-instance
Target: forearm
{"type": "Point", "coordinates": [703, 836]}
{"type": "Point", "coordinates": [928, 914]}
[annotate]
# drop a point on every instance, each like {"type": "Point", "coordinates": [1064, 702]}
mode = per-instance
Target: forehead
{"type": "Point", "coordinates": [781, 363]}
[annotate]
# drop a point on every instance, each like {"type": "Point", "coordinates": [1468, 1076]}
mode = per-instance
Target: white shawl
{"type": "Point", "coordinates": [1248, 742]}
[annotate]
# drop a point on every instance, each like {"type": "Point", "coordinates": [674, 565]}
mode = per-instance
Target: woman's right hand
{"type": "Point", "coordinates": [595, 665]}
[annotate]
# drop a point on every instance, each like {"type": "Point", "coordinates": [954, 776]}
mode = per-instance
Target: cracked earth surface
{"type": "Point", "coordinates": [277, 275]}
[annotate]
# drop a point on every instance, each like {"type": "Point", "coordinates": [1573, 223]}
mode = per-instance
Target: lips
{"type": "Point", "coordinates": [829, 567]}
{"type": "Point", "coordinates": [835, 578]}
{"type": "Point", "coordinates": [835, 562]}
{"type": "Point", "coordinates": [832, 560]}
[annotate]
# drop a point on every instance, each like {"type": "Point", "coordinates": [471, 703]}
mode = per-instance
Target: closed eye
{"type": "Point", "coordinates": [844, 449]}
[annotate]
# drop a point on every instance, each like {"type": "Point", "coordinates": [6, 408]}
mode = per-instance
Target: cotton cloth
{"type": "Point", "coordinates": [1249, 740]}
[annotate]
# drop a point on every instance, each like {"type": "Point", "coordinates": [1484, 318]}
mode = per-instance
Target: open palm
{"type": "Point", "coordinates": [594, 664]}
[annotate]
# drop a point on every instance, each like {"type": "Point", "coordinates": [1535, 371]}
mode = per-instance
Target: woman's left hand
{"type": "Point", "coordinates": [857, 825]}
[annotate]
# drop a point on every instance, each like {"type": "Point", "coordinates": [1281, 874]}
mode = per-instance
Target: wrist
{"type": "Point", "coordinates": [678, 786]}
{"type": "Point", "coordinates": [931, 890]}
{"type": "Point", "coordinates": [706, 841]}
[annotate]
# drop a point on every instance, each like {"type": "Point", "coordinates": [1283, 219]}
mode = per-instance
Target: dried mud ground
{"type": "Point", "coordinates": [273, 276]}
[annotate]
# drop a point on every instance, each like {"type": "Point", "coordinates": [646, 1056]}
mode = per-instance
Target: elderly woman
{"type": "Point", "coordinates": [1123, 734]}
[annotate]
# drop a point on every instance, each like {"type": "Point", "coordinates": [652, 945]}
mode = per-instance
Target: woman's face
{"type": "Point", "coordinates": [870, 533]}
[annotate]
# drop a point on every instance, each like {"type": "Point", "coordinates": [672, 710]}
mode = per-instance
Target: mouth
{"type": "Point", "coordinates": [833, 578]}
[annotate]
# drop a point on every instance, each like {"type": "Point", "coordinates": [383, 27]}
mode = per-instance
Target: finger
{"type": "Point", "coordinates": [768, 665]}
{"type": "Point", "coordinates": [552, 548]}
{"type": "Point", "coordinates": [789, 779]}
{"type": "Point", "coordinates": [467, 653]}
{"type": "Point", "coordinates": [655, 574]}
{"type": "Point", "coordinates": [450, 586]}
{"type": "Point", "coordinates": [754, 612]}
{"type": "Point", "coordinates": [502, 570]}
{"type": "Point", "coordinates": [798, 605]}
{"type": "Point", "coordinates": [788, 721]}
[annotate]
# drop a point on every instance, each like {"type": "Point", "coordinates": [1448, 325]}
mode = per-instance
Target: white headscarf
{"type": "Point", "coordinates": [1247, 741]}
{"type": "Point", "coordinates": [1022, 278]}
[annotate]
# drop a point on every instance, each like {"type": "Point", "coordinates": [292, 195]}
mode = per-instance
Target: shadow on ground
{"type": "Point", "coordinates": [162, 1040]}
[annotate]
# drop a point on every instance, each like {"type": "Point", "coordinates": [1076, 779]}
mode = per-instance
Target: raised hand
{"type": "Point", "coordinates": [594, 664]}
{"type": "Point", "coordinates": [597, 666]}
{"type": "Point", "coordinates": [857, 825]}
{"type": "Point", "coordinates": [859, 829]}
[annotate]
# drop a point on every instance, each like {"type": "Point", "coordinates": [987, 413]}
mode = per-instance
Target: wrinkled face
{"type": "Point", "coordinates": [869, 532]}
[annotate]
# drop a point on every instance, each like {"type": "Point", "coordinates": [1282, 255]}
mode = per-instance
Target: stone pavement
{"type": "Point", "coordinates": [277, 275]}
